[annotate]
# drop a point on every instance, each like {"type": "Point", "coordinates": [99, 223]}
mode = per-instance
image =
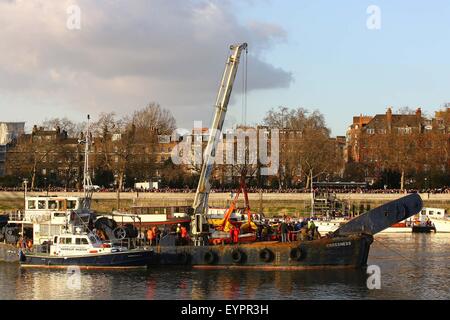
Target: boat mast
{"type": "Point", "coordinates": [312, 194]}
{"type": "Point", "coordinates": [87, 182]}
{"type": "Point", "coordinates": [200, 206]}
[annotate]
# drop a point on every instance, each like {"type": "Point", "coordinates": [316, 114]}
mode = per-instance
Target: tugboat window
{"type": "Point", "coordinates": [31, 204]}
{"type": "Point", "coordinates": [71, 204]}
{"type": "Point", "coordinates": [41, 204]}
{"type": "Point", "coordinates": [52, 204]}
{"type": "Point", "coordinates": [65, 240]}
{"type": "Point", "coordinates": [81, 241]}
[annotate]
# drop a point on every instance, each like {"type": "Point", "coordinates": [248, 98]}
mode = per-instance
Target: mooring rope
{"type": "Point", "coordinates": [398, 253]}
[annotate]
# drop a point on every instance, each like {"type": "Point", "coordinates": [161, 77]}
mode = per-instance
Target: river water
{"type": "Point", "coordinates": [413, 266]}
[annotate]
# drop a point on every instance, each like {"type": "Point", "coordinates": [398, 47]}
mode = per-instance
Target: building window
{"type": "Point", "coordinates": [370, 131]}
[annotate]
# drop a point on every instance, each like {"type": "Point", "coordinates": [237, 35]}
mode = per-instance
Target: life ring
{"type": "Point", "coordinates": [296, 254]}
{"type": "Point", "coordinates": [209, 257]}
{"type": "Point", "coordinates": [120, 233]}
{"type": "Point", "coordinates": [237, 256]}
{"type": "Point", "coordinates": [266, 255]}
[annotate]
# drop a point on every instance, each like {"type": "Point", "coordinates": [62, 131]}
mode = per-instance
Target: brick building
{"type": "Point", "coordinates": [9, 132]}
{"type": "Point", "coordinates": [46, 156]}
{"type": "Point", "coordinates": [380, 124]}
{"type": "Point", "coordinates": [410, 145]}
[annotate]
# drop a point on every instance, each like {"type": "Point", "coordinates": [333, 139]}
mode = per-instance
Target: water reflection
{"type": "Point", "coordinates": [412, 267]}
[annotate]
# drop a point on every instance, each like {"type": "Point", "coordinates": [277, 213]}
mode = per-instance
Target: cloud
{"type": "Point", "coordinates": [128, 53]}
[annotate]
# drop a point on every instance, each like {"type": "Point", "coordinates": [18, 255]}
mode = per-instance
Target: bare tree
{"type": "Point", "coordinates": [305, 145]}
{"type": "Point", "coordinates": [154, 118]}
{"type": "Point", "coordinates": [395, 151]}
{"type": "Point", "coordinates": [406, 110]}
{"type": "Point", "coordinates": [129, 144]}
{"type": "Point", "coordinates": [73, 129]}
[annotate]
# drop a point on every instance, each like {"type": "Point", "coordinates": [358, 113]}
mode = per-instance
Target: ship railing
{"type": "Point", "coordinates": [128, 243]}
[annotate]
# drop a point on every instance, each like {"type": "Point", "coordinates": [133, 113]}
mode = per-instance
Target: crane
{"type": "Point", "coordinates": [200, 226]}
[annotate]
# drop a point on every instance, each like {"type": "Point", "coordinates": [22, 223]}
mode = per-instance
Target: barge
{"type": "Point", "coordinates": [348, 246]}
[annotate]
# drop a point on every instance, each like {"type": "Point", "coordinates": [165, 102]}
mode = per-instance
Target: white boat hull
{"type": "Point", "coordinates": [442, 226]}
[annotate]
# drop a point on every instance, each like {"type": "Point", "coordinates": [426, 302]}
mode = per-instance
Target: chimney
{"type": "Point", "coordinates": [389, 118]}
{"type": "Point", "coordinates": [419, 113]}
{"type": "Point", "coordinates": [419, 118]}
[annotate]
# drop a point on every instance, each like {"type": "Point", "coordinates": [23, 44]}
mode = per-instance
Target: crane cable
{"type": "Point", "coordinates": [244, 99]}
{"type": "Point", "coordinates": [244, 89]}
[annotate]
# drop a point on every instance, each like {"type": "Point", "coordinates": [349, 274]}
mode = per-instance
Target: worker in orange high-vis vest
{"type": "Point", "coordinates": [155, 235]}
{"type": "Point", "coordinates": [183, 235]}
{"type": "Point", "coordinates": [236, 235]}
{"type": "Point", "coordinates": [150, 236]}
{"type": "Point", "coordinates": [232, 234]}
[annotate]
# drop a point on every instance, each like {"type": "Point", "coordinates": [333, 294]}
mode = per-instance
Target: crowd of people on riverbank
{"type": "Point", "coordinates": [442, 190]}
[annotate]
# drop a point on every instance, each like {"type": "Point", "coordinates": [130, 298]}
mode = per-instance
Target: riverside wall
{"type": "Point", "coordinates": [270, 203]}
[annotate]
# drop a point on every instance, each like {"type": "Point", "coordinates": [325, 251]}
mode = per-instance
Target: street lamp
{"type": "Point", "coordinates": [25, 183]}
{"type": "Point", "coordinates": [426, 187]}
{"type": "Point", "coordinates": [135, 187]}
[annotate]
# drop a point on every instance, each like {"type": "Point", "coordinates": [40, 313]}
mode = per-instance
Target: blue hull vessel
{"type": "Point", "coordinates": [116, 260]}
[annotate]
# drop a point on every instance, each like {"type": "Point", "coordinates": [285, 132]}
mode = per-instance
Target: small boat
{"type": "Point", "coordinates": [149, 216]}
{"type": "Point", "coordinates": [401, 227]}
{"type": "Point", "coordinates": [439, 218]}
{"type": "Point", "coordinates": [423, 227]}
{"type": "Point", "coordinates": [86, 251]}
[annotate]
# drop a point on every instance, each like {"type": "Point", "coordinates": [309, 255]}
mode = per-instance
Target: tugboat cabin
{"type": "Point", "coordinates": [73, 245]}
{"type": "Point", "coordinates": [50, 216]}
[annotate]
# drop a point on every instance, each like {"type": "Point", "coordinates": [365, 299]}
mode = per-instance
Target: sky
{"type": "Point", "coordinates": [339, 57]}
